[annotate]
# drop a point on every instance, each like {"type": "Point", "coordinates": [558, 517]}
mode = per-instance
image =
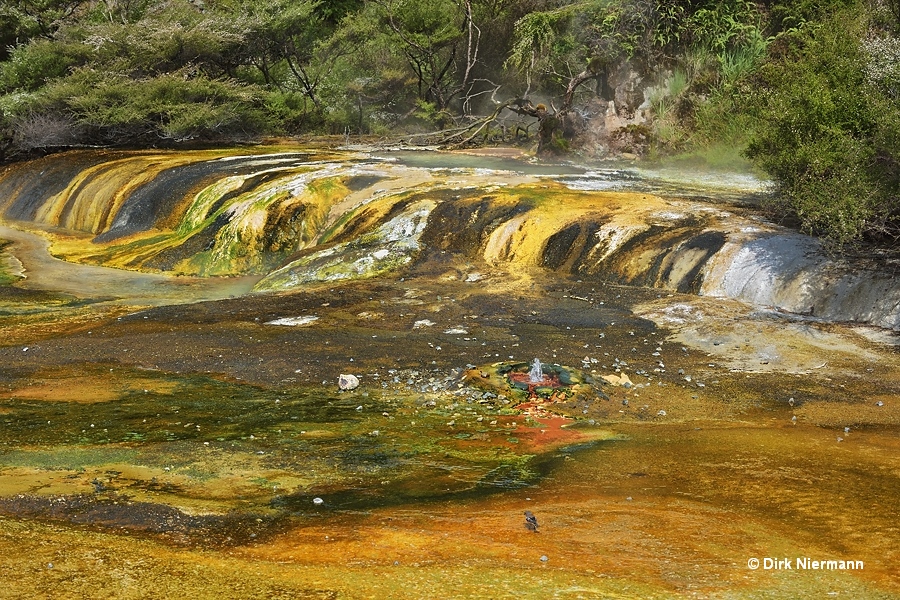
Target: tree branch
{"type": "Point", "coordinates": [574, 82]}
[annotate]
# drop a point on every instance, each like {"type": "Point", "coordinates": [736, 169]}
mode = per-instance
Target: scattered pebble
{"type": "Point", "coordinates": [544, 558]}
{"type": "Point", "coordinates": [318, 501]}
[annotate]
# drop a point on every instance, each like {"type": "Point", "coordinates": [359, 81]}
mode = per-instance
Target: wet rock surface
{"type": "Point", "coordinates": [123, 515]}
{"type": "Point", "coordinates": [185, 446]}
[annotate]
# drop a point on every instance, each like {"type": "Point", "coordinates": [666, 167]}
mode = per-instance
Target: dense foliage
{"type": "Point", "coordinates": [828, 127]}
{"type": "Point", "coordinates": [809, 88]}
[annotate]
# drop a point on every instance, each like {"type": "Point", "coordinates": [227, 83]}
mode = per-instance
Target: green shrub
{"type": "Point", "coordinates": [111, 108]}
{"type": "Point", "coordinates": [31, 66]}
{"type": "Point", "coordinates": [825, 133]}
{"type": "Point", "coordinates": [291, 112]}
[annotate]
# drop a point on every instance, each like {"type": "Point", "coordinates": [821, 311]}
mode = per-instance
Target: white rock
{"type": "Point", "coordinates": [348, 382]}
{"type": "Point", "coordinates": [294, 321]}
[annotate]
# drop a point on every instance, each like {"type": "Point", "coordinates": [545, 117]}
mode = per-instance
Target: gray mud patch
{"type": "Point", "coordinates": [121, 515]}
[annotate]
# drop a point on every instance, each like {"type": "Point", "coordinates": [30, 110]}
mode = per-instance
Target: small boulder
{"type": "Point", "coordinates": [620, 380]}
{"type": "Point", "coordinates": [348, 382]}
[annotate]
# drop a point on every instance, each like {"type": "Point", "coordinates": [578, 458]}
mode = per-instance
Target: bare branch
{"type": "Point", "coordinates": [573, 85]}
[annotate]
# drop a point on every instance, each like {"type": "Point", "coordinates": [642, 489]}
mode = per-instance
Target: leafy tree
{"type": "Point", "coordinates": [539, 43]}
{"type": "Point", "coordinates": [163, 41]}
{"type": "Point", "coordinates": [439, 40]}
{"type": "Point", "coordinates": [24, 20]}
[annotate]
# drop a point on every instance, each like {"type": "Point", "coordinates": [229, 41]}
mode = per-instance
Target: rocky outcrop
{"type": "Point", "coordinates": [617, 121]}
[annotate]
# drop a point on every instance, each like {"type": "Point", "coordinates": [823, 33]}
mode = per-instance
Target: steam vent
{"type": "Point", "coordinates": [519, 382]}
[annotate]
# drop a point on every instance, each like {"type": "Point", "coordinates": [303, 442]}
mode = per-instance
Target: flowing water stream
{"type": "Point", "coordinates": [174, 324]}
